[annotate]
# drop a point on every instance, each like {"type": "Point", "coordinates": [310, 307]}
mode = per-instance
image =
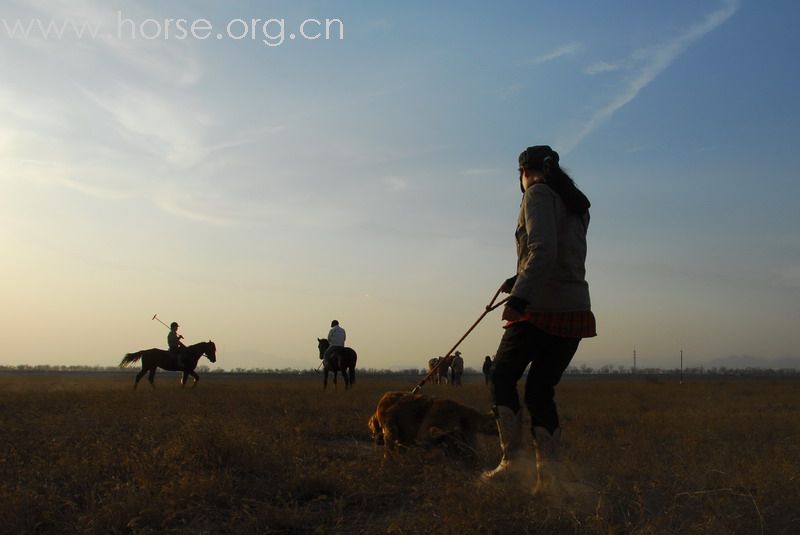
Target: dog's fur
{"type": "Point", "coordinates": [405, 420]}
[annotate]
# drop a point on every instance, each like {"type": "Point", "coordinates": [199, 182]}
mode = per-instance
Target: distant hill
{"type": "Point", "coordinates": [749, 361]}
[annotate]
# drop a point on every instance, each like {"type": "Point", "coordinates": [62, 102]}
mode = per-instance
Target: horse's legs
{"type": "Point", "coordinates": [139, 376]}
{"type": "Point", "coordinates": [152, 376]}
{"type": "Point", "coordinates": [196, 378]}
{"type": "Point", "coordinates": [325, 379]}
{"type": "Point", "coordinates": [183, 378]}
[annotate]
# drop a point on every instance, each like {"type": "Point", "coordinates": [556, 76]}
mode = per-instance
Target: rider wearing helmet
{"type": "Point", "coordinates": [176, 347]}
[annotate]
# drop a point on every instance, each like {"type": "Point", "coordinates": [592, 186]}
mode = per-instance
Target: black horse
{"type": "Point", "coordinates": [342, 359]}
{"type": "Point", "coordinates": [159, 358]}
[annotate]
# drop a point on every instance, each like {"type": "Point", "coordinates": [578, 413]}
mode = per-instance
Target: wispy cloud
{"type": "Point", "coordinates": [510, 91]}
{"type": "Point", "coordinates": [603, 67]}
{"type": "Point", "coordinates": [195, 209]}
{"type": "Point", "coordinates": [178, 65]}
{"type": "Point", "coordinates": [247, 137]}
{"type": "Point", "coordinates": [26, 112]}
{"type": "Point", "coordinates": [395, 183]}
{"type": "Point", "coordinates": [38, 145]}
{"type": "Point", "coordinates": [123, 131]}
{"type": "Point", "coordinates": [564, 50]}
{"type": "Point", "coordinates": [154, 123]}
{"type": "Point", "coordinates": [651, 63]}
{"type": "Point", "coordinates": [63, 175]}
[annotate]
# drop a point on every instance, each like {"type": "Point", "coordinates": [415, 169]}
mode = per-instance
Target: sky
{"type": "Point", "coordinates": [254, 187]}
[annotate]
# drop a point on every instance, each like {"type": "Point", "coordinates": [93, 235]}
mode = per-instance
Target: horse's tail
{"type": "Point", "coordinates": [130, 358]}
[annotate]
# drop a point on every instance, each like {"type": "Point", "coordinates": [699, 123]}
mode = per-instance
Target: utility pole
{"type": "Point", "coordinates": [681, 366]}
{"type": "Point", "coordinates": [634, 360]}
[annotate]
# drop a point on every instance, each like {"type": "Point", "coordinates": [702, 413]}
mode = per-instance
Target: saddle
{"type": "Point", "coordinates": [178, 358]}
{"type": "Point", "coordinates": [331, 353]}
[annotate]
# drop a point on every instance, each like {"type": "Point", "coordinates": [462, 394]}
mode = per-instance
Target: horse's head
{"type": "Point", "coordinates": [211, 351]}
{"type": "Point", "coordinates": [322, 345]}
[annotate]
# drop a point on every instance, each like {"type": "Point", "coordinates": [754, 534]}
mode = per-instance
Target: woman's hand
{"type": "Point", "coordinates": [508, 285]}
{"type": "Point", "coordinates": [514, 309]}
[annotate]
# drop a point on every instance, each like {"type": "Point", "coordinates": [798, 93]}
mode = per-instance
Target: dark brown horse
{"type": "Point", "coordinates": [342, 359]}
{"type": "Point", "coordinates": [160, 358]}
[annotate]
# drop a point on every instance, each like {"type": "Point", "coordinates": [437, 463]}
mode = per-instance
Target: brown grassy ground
{"type": "Point", "coordinates": [271, 455]}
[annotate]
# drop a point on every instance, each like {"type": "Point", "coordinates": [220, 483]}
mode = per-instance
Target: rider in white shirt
{"type": "Point", "coordinates": [336, 338]}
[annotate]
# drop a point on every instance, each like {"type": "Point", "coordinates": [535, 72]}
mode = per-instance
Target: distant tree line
{"type": "Point", "coordinates": [583, 369]}
{"type": "Point", "coordinates": [608, 369]}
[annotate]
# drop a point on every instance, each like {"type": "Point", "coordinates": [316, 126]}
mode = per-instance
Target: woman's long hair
{"type": "Point", "coordinates": [543, 159]}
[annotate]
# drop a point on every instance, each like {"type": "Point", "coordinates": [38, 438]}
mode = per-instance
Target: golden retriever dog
{"type": "Point", "coordinates": [405, 420]}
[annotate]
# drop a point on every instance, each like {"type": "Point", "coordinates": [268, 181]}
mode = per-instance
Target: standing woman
{"type": "Point", "coordinates": [487, 368]}
{"type": "Point", "coordinates": [547, 314]}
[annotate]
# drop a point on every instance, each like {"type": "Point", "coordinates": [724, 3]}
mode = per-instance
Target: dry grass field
{"type": "Point", "coordinates": [86, 454]}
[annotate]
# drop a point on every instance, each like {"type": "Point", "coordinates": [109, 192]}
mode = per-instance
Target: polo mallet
{"type": "Point", "coordinates": [155, 317]}
{"type": "Point", "coordinates": [448, 357]}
